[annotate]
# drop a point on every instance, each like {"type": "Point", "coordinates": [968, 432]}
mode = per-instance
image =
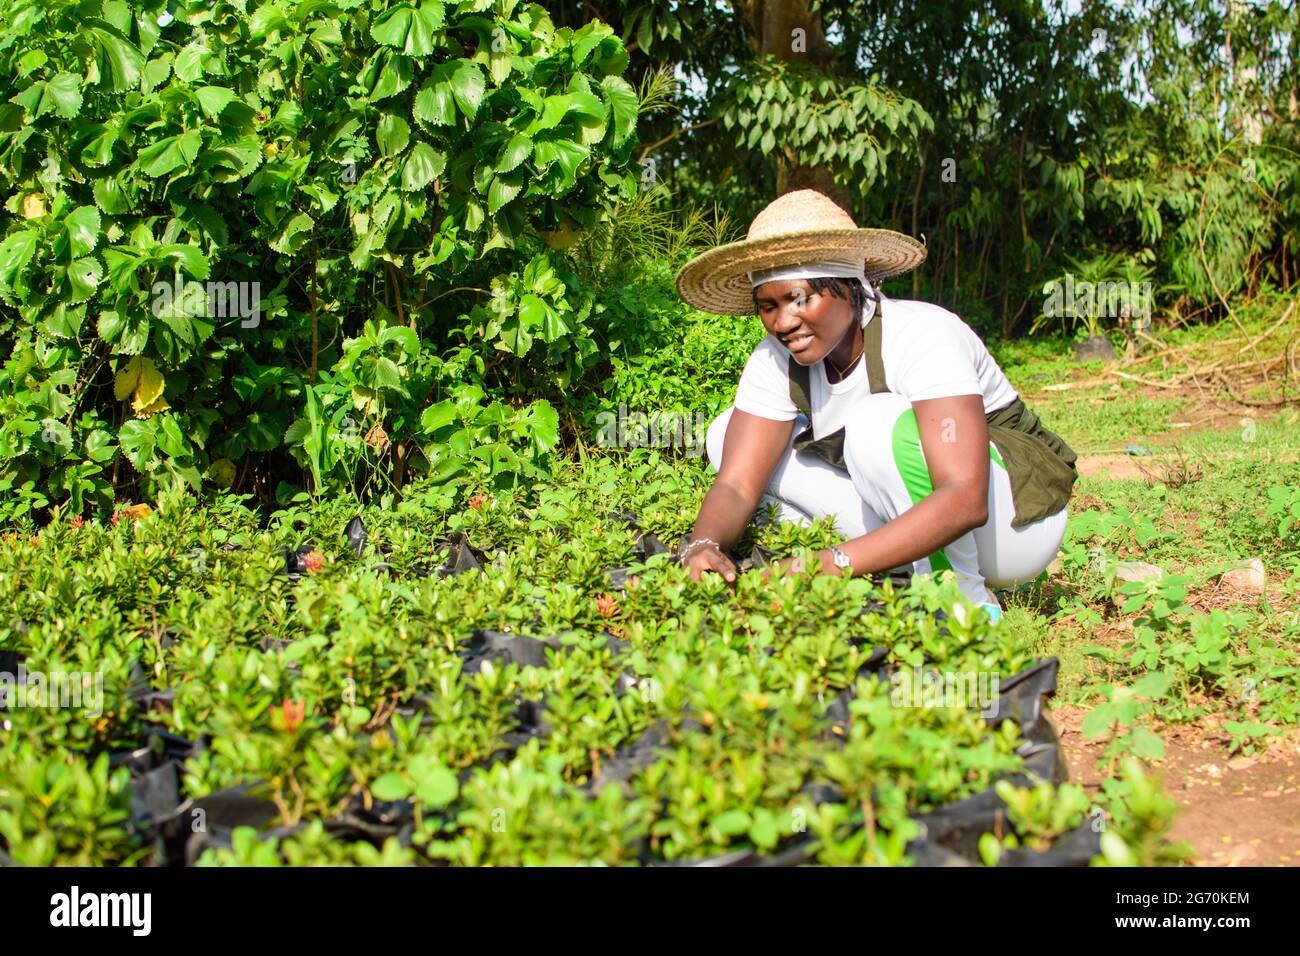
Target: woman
{"type": "Point", "coordinates": [890, 416]}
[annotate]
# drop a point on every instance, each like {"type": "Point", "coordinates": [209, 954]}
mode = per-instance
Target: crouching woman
{"type": "Point", "coordinates": [889, 416]}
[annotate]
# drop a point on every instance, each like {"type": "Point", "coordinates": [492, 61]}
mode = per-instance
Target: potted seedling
{"type": "Point", "coordinates": [1107, 286]}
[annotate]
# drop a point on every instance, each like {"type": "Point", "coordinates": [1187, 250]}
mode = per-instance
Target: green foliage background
{"type": "Point", "coordinates": [461, 220]}
{"type": "Point", "coordinates": [371, 166]}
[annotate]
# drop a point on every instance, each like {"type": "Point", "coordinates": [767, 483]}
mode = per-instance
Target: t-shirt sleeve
{"type": "Point", "coordinates": [764, 388]}
{"type": "Point", "coordinates": [940, 364]}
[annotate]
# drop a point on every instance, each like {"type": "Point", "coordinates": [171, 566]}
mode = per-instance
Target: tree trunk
{"type": "Point", "coordinates": [773, 25]}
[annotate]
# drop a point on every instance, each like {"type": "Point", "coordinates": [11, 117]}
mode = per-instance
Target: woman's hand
{"type": "Point", "coordinates": [707, 557]}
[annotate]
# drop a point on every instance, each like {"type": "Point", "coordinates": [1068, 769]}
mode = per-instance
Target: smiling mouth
{"type": "Point", "coordinates": [797, 343]}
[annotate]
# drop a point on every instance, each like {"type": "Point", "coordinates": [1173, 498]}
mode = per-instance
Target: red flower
{"type": "Point", "coordinates": [607, 605]}
{"type": "Point", "coordinates": [77, 522]}
{"type": "Point", "coordinates": [290, 714]}
{"type": "Point", "coordinates": [478, 501]}
{"type": "Point", "coordinates": [313, 561]}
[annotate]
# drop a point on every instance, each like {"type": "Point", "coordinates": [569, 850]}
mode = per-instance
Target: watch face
{"type": "Point", "coordinates": [841, 559]}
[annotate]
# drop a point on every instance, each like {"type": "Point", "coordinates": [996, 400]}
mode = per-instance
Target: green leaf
{"type": "Point", "coordinates": [554, 110]}
{"type": "Point", "coordinates": [566, 154]}
{"type": "Point", "coordinates": [125, 61]}
{"type": "Point", "coordinates": [188, 257]}
{"type": "Point", "coordinates": [990, 849]}
{"type": "Point", "coordinates": [763, 831]}
{"type": "Point", "coordinates": [503, 190]}
{"type": "Point", "coordinates": [63, 92]}
{"type": "Point", "coordinates": [1098, 722]}
{"type": "Point", "coordinates": [624, 106]}
{"type": "Point", "coordinates": [437, 787]}
{"type": "Point", "coordinates": [387, 374]}
{"type": "Point", "coordinates": [170, 153]}
{"type": "Point", "coordinates": [111, 325]}
{"type": "Point", "coordinates": [213, 99]}
{"type": "Point", "coordinates": [65, 320]}
{"type": "Point", "coordinates": [390, 786]}
{"type": "Point", "coordinates": [435, 105]}
{"type": "Point", "coordinates": [109, 196]}
{"type": "Point", "coordinates": [532, 311]}
{"type": "Point", "coordinates": [1145, 744]}
{"type": "Point", "coordinates": [170, 439]}
{"type": "Point", "coordinates": [394, 75]}
{"type": "Point", "coordinates": [544, 425]}
{"type": "Point", "coordinates": [392, 134]}
{"type": "Point", "coordinates": [138, 442]}
{"type": "Point", "coordinates": [82, 225]}
{"type": "Point", "coordinates": [409, 29]}
{"type": "Point", "coordinates": [296, 231]}
{"type": "Point", "coordinates": [731, 822]}
{"type": "Point", "coordinates": [422, 166]}
{"type": "Point", "coordinates": [467, 86]}
{"type": "Point", "coordinates": [406, 339]}
{"type": "Point", "coordinates": [189, 63]}
{"type": "Point", "coordinates": [438, 415]}
{"type": "Point", "coordinates": [644, 36]}
{"type": "Point", "coordinates": [99, 445]}
{"type": "Point", "coordinates": [15, 252]}
{"type": "Point", "coordinates": [156, 72]}
{"type": "Point", "coordinates": [1153, 685]}
{"type": "Point", "coordinates": [297, 433]}
{"type": "Point", "coordinates": [518, 149]}
{"type": "Point", "coordinates": [99, 150]}
{"type": "Point", "coordinates": [473, 215]}
{"type": "Point", "coordinates": [84, 276]}
{"type": "Point", "coordinates": [31, 61]}
{"type": "Point", "coordinates": [232, 161]}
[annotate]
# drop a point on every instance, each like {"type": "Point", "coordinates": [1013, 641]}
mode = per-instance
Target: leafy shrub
{"type": "Point", "coordinates": [241, 240]}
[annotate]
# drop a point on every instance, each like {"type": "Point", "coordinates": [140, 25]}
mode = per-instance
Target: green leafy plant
{"type": "Point", "coordinates": [57, 810]}
{"type": "Point", "coordinates": [1284, 508]}
{"type": "Point", "coordinates": [1104, 286]}
{"type": "Point", "coordinates": [230, 232]}
{"type": "Point", "coordinates": [1119, 717]}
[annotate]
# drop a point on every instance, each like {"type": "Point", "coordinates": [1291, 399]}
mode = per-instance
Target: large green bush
{"type": "Point", "coordinates": [263, 243]}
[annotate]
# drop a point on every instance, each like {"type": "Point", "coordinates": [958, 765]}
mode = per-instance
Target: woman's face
{"type": "Point", "coordinates": [808, 323]}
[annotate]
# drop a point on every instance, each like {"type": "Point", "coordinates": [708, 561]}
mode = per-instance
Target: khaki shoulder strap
{"type": "Point", "coordinates": [871, 348]}
{"type": "Point", "coordinates": [799, 387]}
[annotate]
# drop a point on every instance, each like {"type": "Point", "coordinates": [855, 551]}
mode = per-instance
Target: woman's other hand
{"type": "Point", "coordinates": [707, 557]}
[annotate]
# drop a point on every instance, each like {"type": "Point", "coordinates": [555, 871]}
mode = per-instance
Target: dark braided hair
{"type": "Point", "coordinates": [837, 287]}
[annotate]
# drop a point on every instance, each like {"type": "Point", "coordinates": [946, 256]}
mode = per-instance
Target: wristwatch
{"type": "Point", "coordinates": [840, 558]}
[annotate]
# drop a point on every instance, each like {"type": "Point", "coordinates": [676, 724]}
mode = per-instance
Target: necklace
{"type": "Point", "coordinates": [839, 373]}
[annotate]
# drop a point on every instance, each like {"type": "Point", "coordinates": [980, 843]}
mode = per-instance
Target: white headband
{"type": "Point", "coordinates": [836, 268]}
{"type": "Point", "coordinates": [840, 268]}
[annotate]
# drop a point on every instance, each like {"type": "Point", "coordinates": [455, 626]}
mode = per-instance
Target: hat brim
{"type": "Point", "coordinates": [717, 281]}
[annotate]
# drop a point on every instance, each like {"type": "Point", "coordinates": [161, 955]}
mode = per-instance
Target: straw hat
{"type": "Point", "coordinates": [799, 226]}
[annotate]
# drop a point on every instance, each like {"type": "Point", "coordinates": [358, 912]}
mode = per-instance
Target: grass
{"type": "Point", "coordinates": [1196, 508]}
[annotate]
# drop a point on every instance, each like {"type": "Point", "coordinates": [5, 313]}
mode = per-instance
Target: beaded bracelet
{"type": "Point", "coordinates": [691, 544]}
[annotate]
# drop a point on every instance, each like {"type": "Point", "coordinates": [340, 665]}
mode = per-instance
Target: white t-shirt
{"type": "Point", "coordinates": [927, 351]}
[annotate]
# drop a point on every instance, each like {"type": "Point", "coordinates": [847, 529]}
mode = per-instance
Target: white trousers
{"type": "Point", "coordinates": [887, 476]}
